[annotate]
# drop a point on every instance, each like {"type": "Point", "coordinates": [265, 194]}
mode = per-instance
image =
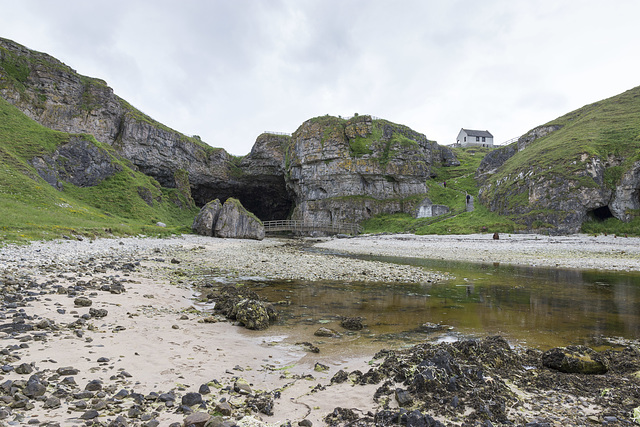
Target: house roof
{"type": "Point", "coordinates": [472, 132]}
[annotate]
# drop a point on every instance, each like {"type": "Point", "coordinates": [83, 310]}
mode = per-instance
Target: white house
{"type": "Point", "coordinates": [476, 138]}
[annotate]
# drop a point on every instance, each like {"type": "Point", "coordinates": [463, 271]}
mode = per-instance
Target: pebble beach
{"type": "Point", "coordinates": [109, 332]}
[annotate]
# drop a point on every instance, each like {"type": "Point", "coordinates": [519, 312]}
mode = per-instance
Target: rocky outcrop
{"type": "Point", "coordinates": [57, 97]}
{"type": "Point", "coordinates": [575, 359]}
{"type": "Point", "coordinates": [330, 169]}
{"type": "Point", "coordinates": [581, 167]}
{"type": "Point", "coordinates": [238, 223]}
{"type": "Point", "coordinates": [627, 194]}
{"type": "Point", "coordinates": [350, 170]}
{"type": "Point", "coordinates": [230, 220]}
{"type": "Point", "coordinates": [493, 160]}
{"type": "Point", "coordinates": [79, 162]}
{"type": "Point", "coordinates": [262, 186]}
{"type": "Point", "coordinates": [205, 222]}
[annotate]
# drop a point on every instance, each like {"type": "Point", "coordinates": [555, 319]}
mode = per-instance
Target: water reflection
{"type": "Point", "coordinates": [535, 306]}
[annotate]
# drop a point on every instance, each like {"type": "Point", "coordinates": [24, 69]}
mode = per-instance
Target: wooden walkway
{"type": "Point", "coordinates": [306, 227]}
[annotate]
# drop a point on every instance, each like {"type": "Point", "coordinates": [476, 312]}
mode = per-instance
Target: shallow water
{"type": "Point", "coordinates": [537, 307]}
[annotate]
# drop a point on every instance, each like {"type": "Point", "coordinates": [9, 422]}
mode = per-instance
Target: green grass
{"type": "Point", "coordinates": [460, 181]}
{"type": "Point", "coordinates": [606, 128]}
{"type": "Point", "coordinates": [30, 208]}
{"type": "Point", "coordinates": [613, 226]}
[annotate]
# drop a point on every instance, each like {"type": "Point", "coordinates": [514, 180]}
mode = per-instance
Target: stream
{"type": "Point", "coordinates": [529, 306]}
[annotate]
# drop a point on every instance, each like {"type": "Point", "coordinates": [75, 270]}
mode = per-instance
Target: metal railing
{"type": "Point", "coordinates": [308, 226]}
{"type": "Point", "coordinates": [276, 133]}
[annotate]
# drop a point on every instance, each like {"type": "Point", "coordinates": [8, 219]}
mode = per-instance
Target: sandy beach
{"type": "Point", "coordinates": [144, 331]}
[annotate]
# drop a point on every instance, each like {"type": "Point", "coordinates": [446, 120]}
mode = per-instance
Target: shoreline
{"type": "Point", "coordinates": [154, 339]}
{"type": "Point", "coordinates": [579, 251]}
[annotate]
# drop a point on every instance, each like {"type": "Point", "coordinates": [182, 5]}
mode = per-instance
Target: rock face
{"type": "Point", "coordinates": [580, 167]}
{"type": "Point", "coordinates": [230, 220]}
{"type": "Point", "coordinates": [79, 162]}
{"type": "Point", "coordinates": [205, 222]}
{"type": "Point", "coordinates": [237, 222]}
{"type": "Point", "coordinates": [350, 170]}
{"type": "Point", "coordinates": [329, 169]}
{"type": "Point", "coordinates": [262, 183]}
{"type": "Point", "coordinates": [57, 97]}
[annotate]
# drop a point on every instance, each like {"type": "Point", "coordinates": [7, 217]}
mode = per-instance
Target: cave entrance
{"type": "Point", "coordinates": [600, 214]}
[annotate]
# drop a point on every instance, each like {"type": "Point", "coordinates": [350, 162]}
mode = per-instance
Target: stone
{"type": "Point", "coordinates": [352, 323]}
{"type": "Point", "coordinates": [94, 385]}
{"type": "Point", "coordinates": [52, 402]}
{"type": "Point", "coordinates": [575, 360]}
{"type": "Point", "coordinates": [98, 313]}
{"type": "Point", "coordinates": [119, 421]}
{"type": "Point", "coordinates": [205, 221]}
{"type": "Point", "coordinates": [191, 399]}
{"type": "Point", "coordinates": [24, 369]}
{"type": "Point", "coordinates": [238, 223]}
{"type": "Point", "coordinates": [253, 314]}
{"type": "Point", "coordinates": [197, 419]}
{"type": "Point", "coordinates": [340, 377]}
{"type": "Point", "coordinates": [67, 370]}
{"type": "Point", "coordinates": [305, 423]}
{"type": "Point", "coordinates": [82, 302]}
{"type": "Point", "coordinates": [224, 408]}
{"type": "Point", "coordinates": [242, 387]}
{"type": "Point", "coordinates": [403, 397]}
{"type": "Point", "coordinates": [90, 415]}
{"type": "Point", "coordinates": [325, 332]}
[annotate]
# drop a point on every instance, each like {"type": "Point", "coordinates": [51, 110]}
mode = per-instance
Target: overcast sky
{"type": "Point", "coordinates": [229, 70]}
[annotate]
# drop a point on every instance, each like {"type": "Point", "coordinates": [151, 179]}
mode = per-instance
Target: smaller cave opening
{"type": "Point", "coordinates": [600, 214]}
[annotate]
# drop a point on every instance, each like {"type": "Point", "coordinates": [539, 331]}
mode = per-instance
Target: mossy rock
{"type": "Point", "coordinates": [575, 360]}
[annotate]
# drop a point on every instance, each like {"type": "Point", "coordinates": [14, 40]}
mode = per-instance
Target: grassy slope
{"type": "Point", "coordinates": [460, 180]}
{"type": "Point", "coordinates": [608, 127]}
{"type": "Point", "coordinates": [30, 208]}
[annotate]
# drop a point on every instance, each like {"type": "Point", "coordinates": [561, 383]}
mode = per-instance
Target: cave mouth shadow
{"type": "Point", "coordinates": [600, 214]}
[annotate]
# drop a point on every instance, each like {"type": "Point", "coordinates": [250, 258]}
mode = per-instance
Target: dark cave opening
{"type": "Point", "coordinates": [600, 214]}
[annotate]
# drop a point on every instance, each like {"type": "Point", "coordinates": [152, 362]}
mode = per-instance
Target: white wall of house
{"type": "Point", "coordinates": [473, 141]}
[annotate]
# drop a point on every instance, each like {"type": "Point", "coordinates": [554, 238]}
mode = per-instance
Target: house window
{"type": "Point", "coordinates": [477, 138]}
{"type": "Point", "coordinates": [465, 139]}
{"type": "Point", "coordinates": [483, 139]}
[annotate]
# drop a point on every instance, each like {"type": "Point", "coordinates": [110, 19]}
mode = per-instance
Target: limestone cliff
{"type": "Point", "coordinates": [350, 170]}
{"type": "Point", "coordinates": [329, 169]}
{"type": "Point", "coordinates": [580, 167]}
{"type": "Point", "coordinates": [56, 96]}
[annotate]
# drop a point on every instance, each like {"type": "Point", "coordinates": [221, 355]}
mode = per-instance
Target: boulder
{"type": "Point", "coordinates": [253, 314]}
{"type": "Point", "coordinates": [576, 359]}
{"type": "Point", "coordinates": [238, 223]}
{"type": "Point", "coordinates": [205, 222]}
{"type": "Point", "coordinates": [352, 323]}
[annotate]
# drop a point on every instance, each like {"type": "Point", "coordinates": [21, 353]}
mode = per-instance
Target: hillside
{"type": "Point", "coordinates": [581, 168]}
{"type": "Point", "coordinates": [102, 197]}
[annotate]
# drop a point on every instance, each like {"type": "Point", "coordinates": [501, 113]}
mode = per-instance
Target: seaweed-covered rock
{"type": "Point", "coordinates": [253, 314]}
{"type": "Point", "coordinates": [352, 323]}
{"type": "Point", "coordinates": [576, 359]}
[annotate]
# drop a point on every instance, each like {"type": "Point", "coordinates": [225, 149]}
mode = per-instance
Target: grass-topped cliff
{"type": "Point", "coordinates": [459, 181]}
{"type": "Point", "coordinates": [127, 202]}
{"type": "Point", "coordinates": [579, 171]}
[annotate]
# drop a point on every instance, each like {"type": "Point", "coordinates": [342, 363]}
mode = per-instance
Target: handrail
{"type": "Point", "coordinates": [302, 226]}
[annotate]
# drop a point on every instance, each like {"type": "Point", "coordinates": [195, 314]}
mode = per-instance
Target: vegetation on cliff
{"type": "Point", "coordinates": [126, 203]}
{"type": "Point", "coordinates": [571, 173]}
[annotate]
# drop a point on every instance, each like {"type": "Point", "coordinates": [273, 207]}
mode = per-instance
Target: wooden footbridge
{"type": "Point", "coordinates": [329, 227]}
